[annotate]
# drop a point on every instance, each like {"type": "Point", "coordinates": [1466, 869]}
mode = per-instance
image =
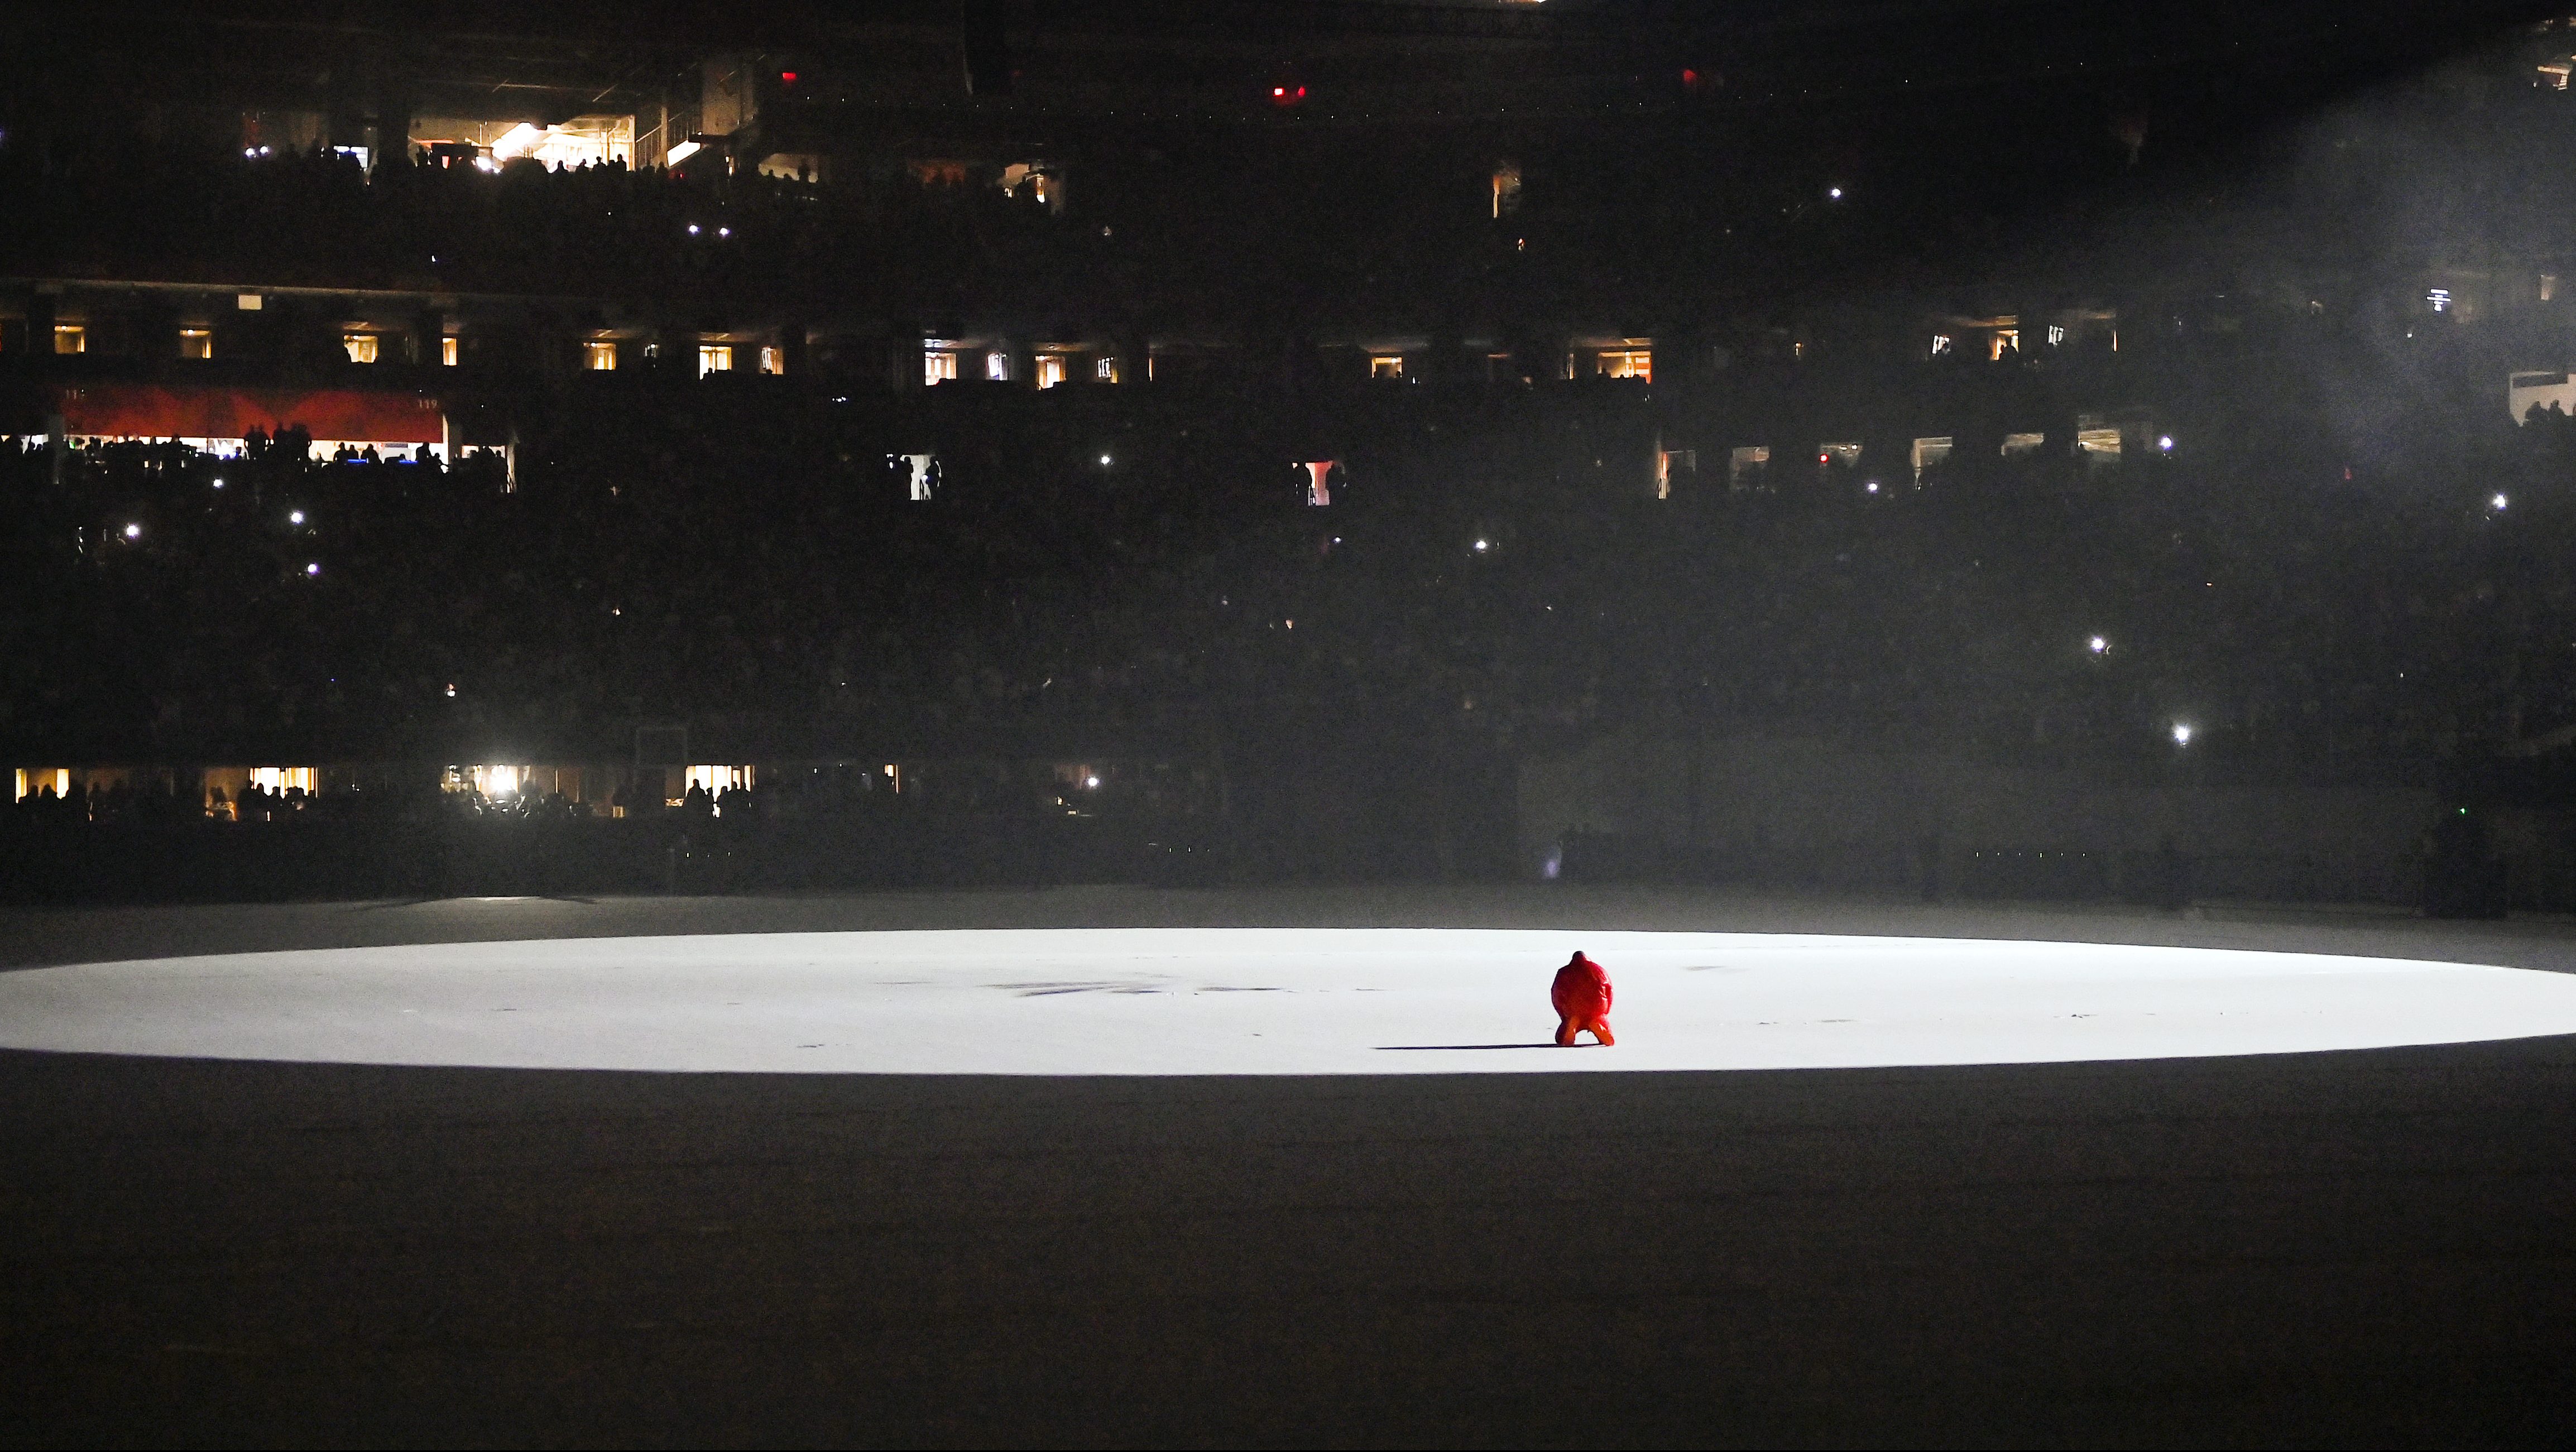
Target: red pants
{"type": "Point", "coordinates": [1568, 1026]}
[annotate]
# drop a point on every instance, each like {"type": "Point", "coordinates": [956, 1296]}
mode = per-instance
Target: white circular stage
{"type": "Point", "coordinates": [1256, 1001]}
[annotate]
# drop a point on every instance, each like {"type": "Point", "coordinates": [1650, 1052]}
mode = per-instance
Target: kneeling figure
{"type": "Point", "coordinates": [1582, 999]}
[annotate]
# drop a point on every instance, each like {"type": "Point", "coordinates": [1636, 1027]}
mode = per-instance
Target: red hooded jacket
{"type": "Point", "coordinates": [1582, 991]}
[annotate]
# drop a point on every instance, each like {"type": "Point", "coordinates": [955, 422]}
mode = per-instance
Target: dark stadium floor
{"type": "Point", "coordinates": [2334, 1248]}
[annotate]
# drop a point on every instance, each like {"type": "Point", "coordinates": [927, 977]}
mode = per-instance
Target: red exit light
{"type": "Point", "coordinates": [786, 78]}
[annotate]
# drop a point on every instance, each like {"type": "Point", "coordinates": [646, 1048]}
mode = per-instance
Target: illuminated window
{"type": "Point", "coordinates": [2003, 338]}
{"type": "Point", "coordinates": [1507, 189]}
{"type": "Point", "coordinates": [917, 472]}
{"type": "Point", "coordinates": [997, 367]}
{"type": "Point", "coordinates": [70, 338]}
{"type": "Point", "coordinates": [248, 302]}
{"type": "Point", "coordinates": [1745, 463]}
{"type": "Point", "coordinates": [773, 359]}
{"type": "Point", "coordinates": [1846, 455]}
{"type": "Point", "coordinates": [2019, 445]}
{"type": "Point", "coordinates": [2548, 287]}
{"type": "Point", "coordinates": [2097, 438]}
{"type": "Point", "coordinates": [490, 780]}
{"type": "Point", "coordinates": [196, 343]}
{"type": "Point", "coordinates": [1637, 363]}
{"type": "Point", "coordinates": [1105, 370]}
{"type": "Point", "coordinates": [278, 779]}
{"type": "Point", "coordinates": [599, 357]}
{"type": "Point", "coordinates": [2056, 335]}
{"type": "Point", "coordinates": [1929, 452]}
{"type": "Point", "coordinates": [714, 358]}
{"type": "Point", "coordinates": [2439, 299]}
{"type": "Point", "coordinates": [1940, 344]}
{"type": "Point", "coordinates": [1670, 461]}
{"type": "Point", "coordinates": [447, 351]}
{"type": "Point", "coordinates": [1050, 369]}
{"type": "Point", "coordinates": [361, 346]}
{"type": "Point", "coordinates": [1386, 365]}
{"type": "Point", "coordinates": [938, 367]}
{"type": "Point", "coordinates": [32, 783]}
{"type": "Point", "coordinates": [715, 780]}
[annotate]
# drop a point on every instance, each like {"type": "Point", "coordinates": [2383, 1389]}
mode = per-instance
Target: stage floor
{"type": "Point", "coordinates": [2358, 1246]}
{"type": "Point", "coordinates": [1207, 1001]}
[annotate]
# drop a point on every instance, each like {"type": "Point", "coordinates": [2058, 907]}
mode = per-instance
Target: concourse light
{"type": "Point", "coordinates": [1091, 781]}
{"type": "Point", "coordinates": [724, 231]}
{"type": "Point", "coordinates": [295, 516]}
{"type": "Point", "coordinates": [2498, 502]}
{"type": "Point", "coordinates": [451, 690]}
{"type": "Point", "coordinates": [2182, 733]}
{"type": "Point", "coordinates": [2098, 645]}
{"type": "Point", "coordinates": [1834, 194]}
{"type": "Point", "coordinates": [1482, 546]}
{"type": "Point", "coordinates": [219, 483]}
{"type": "Point", "coordinates": [134, 531]}
{"type": "Point", "coordinates": [1104, 461]}
{"type": "Point", "coordinates": [693, 229]}
{"type": "Point", "coordinates": [313, 568]}
{"type": "Point", "coordinates": [1873, 486]}
{"type": "Point", "coordinates": [2165, 442]}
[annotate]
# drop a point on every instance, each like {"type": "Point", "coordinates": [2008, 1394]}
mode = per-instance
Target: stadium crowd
{"type": "Point", "coordinates": [159, 603]}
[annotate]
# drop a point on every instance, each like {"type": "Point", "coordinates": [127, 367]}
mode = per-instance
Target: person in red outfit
{"type": "Point", "coordinates": [1582, 999]}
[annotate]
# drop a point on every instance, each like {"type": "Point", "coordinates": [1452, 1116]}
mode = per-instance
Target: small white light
{"type": "Point", "coordinates": [1481, 547]}
{"type": "Point", "coordinates": [134, 531]}
{"type": "Point", "coordinates": [295, 516]}
{"type": "Point", "coordinates": [2165, 442]}
{"type": "Point", "coordinates": [314, 568]}
{"type": "Point", "coordinates": [1104, 461]}
{"type": "Point", "coordinates": [2098, 645]}
{"type": "Point", "coordinates": [693, 229]}
{"type": "Point", "coordinates": [724, 231]}
{"type": "Point", "coordinates": [2498, 502]}
{"type": "Point", "coordinates": [1873, 486]}
{"type": "Point", "coordinates": [219, 483]}
{"type": "Point", "coordinates": [451, 690]}
{"type": "Point", "coordinates": [1834, 193]}
{"type": "Point", "coordinates": [1091, 781]}
{"type": "Point", "coordinates": [2182, 733]}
